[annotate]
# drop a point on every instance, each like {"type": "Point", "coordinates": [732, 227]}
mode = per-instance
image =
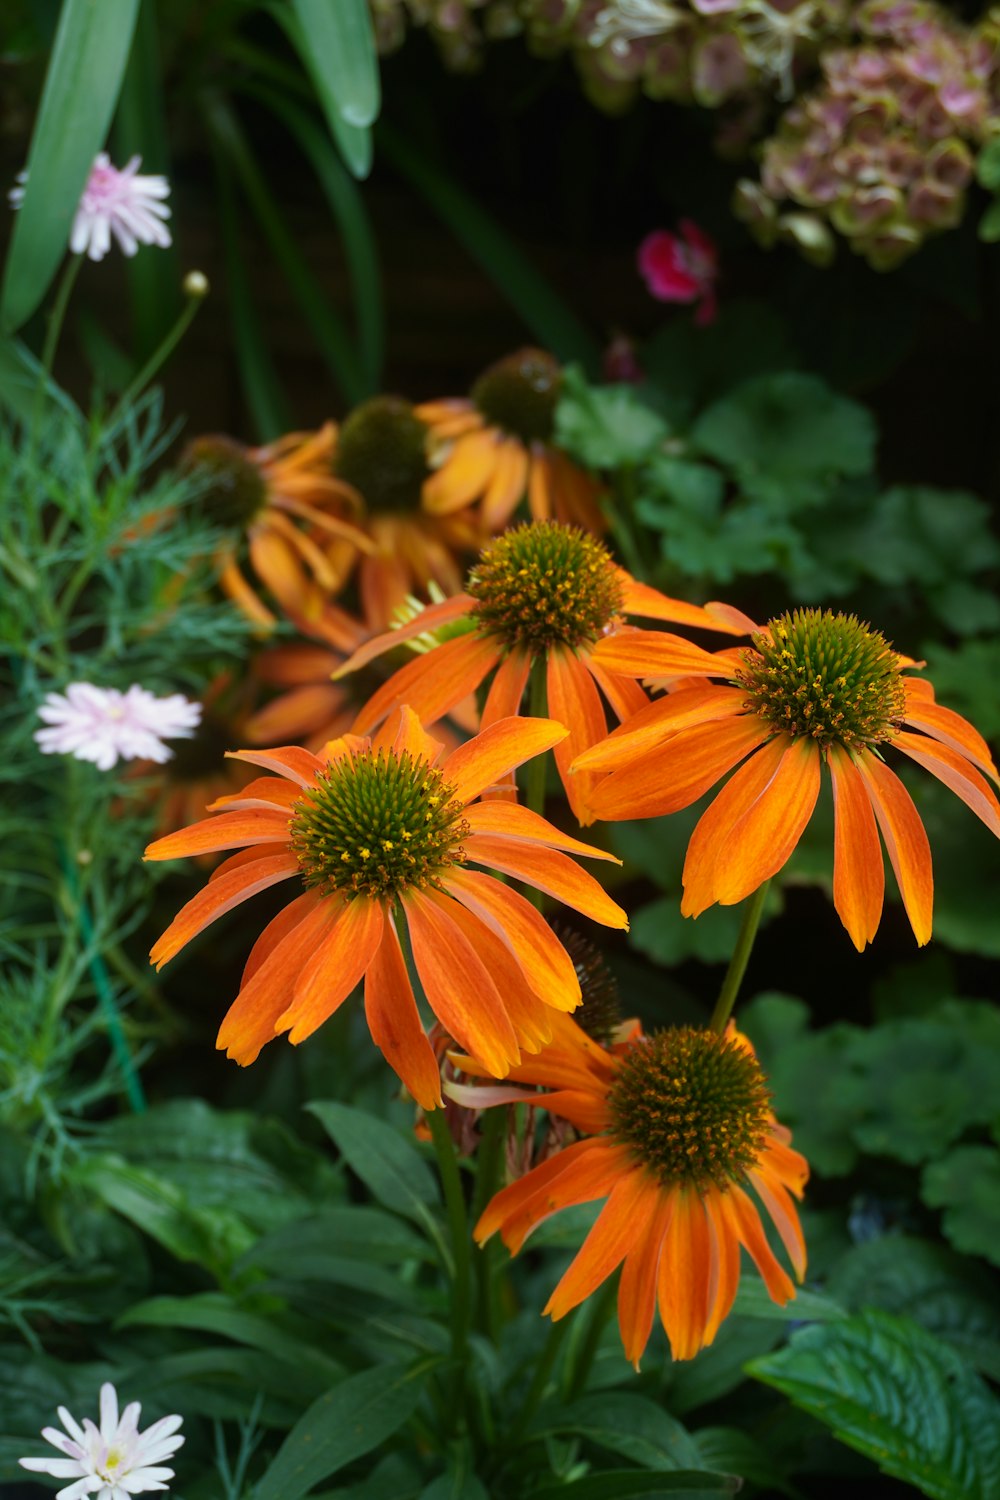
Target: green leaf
{"type": "Point", "coordinates": [696, 365]}
{"type": "Point", "coordinates": [736, 1452]}
{"type": "Point", "coordinates": [22, 378]}
{"type": "Point", "coordinates": [81, 89]}
{"type": "Point", "coordinates": [623, 1484]}
{"type": "Point", "coordinates": [455, 1486]}
{"type": "Point", "coordinates": [753, 1301]}
{"type": "Point", "coordinates": [966, 1184]}
{"type": "Point", "coordinates": [719, 1369]}
{"type": "Point", "coordinates": [340, 54]}
{"type": "Point", "coordinates": [946, 1293]}
{"type": "Point", "coordinates": [787, 439]}
{"type": "Point", "coordinates": [350, 1420]}
{"type": "Point", "coordinates": [631, 1426]}
{"type": "Point", "coordinates": [917, 533]}
{"type": "Point", "coordinates": [963, 677]}
{"type": "Point", "coordinates": [900, 1396]}
{"type": "Point", "coordinates": [606, 426]}
{"type": "Point", "coordinates": [821, 1092]}
{"type": "Point", "coordinates": [211, 1312]}
{"type": "Point", "coordinates": [304, 1248]}
{"type": "Point", "coordinates": [988, 165]}
{"type": "Point", "coordinates": [385, 1160]}
{"type": "Point", "coordinates": [989, 224]}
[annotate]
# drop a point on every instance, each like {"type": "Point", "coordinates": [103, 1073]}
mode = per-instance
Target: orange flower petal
{"type": "Point", "coordinates": [764, 838]}
{"type": "Point", "coordinates": [640, 599]}
{"type": "Point", "coordinates": [333, 970]}
{"type": "Point", "coordinates": [267, 792]}
{"type": "Point", "coordinates": [403, 733]}
{"type": "Point", "coordinates": [444, 409]}
{"type": "Point", "coordinates": [658, 721]}
{"type": "Point", "coordinates": [858, 869]}
{"type": "Point", "coordinates": [541, 483]}
{"type": "Point", "coordinates": [428, 619]}
{"type": "Point", "coordinates": [685, 1274]}
{"type": "Point", "coordinates": [714, 829]}
{"type": "Point", "coordinates": [531, 1019]}
{"type": "Point", "coordinates": [497, 749]}
{"type": "Point", "coordinates": [623, 1220]}
{"type": "Point", "coordinates": [578, 1174]}
{"type": "Point", "coordinates": [287, 760]}
{"type": "Point", "coordinates": [948, 727]}
{"type": "Point", "coordinates": [464, 474]}
{"type": "Point", "coordinates": [679, 772]}
{"type": "Point", "coordinates": [547, 966]}
{"type": "Point", "coordinates": [779, 1205]}
{"type": "Point", "coordinates": [623, 693]}
{"type": "Point", "coordinates": [277, 930]}
{"type": "Point", "coordinates": [657, 653]}
{"type": "Point", "coordinates": [507, 485]}
{"type": "Point", "coordinates": [458, 986]}
{"type": "Point", "coordinates": [251, 1019]}
{"type": "Point", "coordinates": [246, 857]}
{"type": "Point", "coordinates": [226, 831]}
{"type": "Point", "coordinates": [232, 583]}
{"type": "Point", "coordinates": [507, 688]}
{"type": "Point", "coordinates": [956, 772]}
{"type": "Point", "coordinates": [218, 897]}
{"type": "Point", "coordinates": [298, 713]}
{"type": "Point", "coordinates": [512, 821]}
{"type": "Point", "coordinates": [548, 871]}
{"type": "Point", "coordinates": [395, 1025]}
{"type": "Point", "coordinates": [434, 682]}
{"type": "Point", "coordinates": [573, 699]}
{"type": "Point", "coordinates": [724, 1267]}
{"type": "Point", "coordinates": [905, 839]}
{"type": "Point", "coordinates": [744, 1221]}
{"type": "Point", "coordinates": [277, 566]}
{"type": "Point", "coordinates": [637, 1288]}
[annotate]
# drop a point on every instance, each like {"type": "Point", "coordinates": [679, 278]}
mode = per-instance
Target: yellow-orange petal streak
{"type": "Point", "coordinates": [549, 871]}
{"type": "Point", "coordinates": [547, 966]}
{"type": "Point", "coordinates": [573, 699]}
{"type": "Point", "coordinates": [287, 760]}
{"type": "Point", "coordinates": [905, 839]}
{"type": "Point", "coordinates": [657, 653]}
{"type": "Point", "coordinates": [638, 1285]}
{"type": "Point", "coordinates": [766, 834]}
{"type": "Point", "coordinates": [227, 831]}
{"type": "Point", "coordinates": [744, 1220]}
{"type": "Point", "coordinates": [512, 821]}
{"type": "Point", "coordinates": [956, 772]}
{"type": "Point", "coordinates": [684, 1280]}
{"type": "Point", "coordinates": [507, 688]}
{"type": "Point", "coordinates": [639, 599]}
{"type": "Point", "coordinates": [433, 683]}
{"type": "Point", "coordinates": [220, 896]}
{"type": "Point", "coordinates": [277, 929]}
{"type": "Point", "coordinates": [497, 749]}
{"type": "Point", "coordinates": [656, 722]}
{"type": "Point", "coordinates": [679, 772]}
{"type": "Point", "coordinates": [394, 1022]}
{"type": "Point", "coordinates": [334, 968]}
{"type": "Point", "coordinates": [250, 1020]}
{"type": "Point", "coordinates": [581, 1173]}
{"type": "Point", "coordinates": [858, 868]}
{"type": "Point", "coordinates": [458, 987]}
{"type": "Point", "coordinates": [724, 1267]}
{"type": "Point", "coordinates": [622, 1220]}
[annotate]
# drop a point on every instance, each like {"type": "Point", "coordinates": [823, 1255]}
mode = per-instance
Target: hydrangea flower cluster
{"type": "Point", "coordinates": [883, 150]}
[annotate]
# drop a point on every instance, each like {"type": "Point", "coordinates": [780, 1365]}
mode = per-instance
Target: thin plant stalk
{"type": "Point", "coordinates": [741, 957]}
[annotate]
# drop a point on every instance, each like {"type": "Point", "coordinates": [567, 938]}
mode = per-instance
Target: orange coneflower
{"type": "Point", "coordinates": [676, 1127]}
{"type": "Point", "coordinates": [496, 446]}
{"type": "Point", "coordinates": [380, 465]}
{"type": "Point", "coordinates": [545, 593]}
{"type": "Point", "coordinates": [815, 688]}
{"type": "Point", "coordinates": [372, 832]}
{"type": "Point", "coordinates": [267, 492]}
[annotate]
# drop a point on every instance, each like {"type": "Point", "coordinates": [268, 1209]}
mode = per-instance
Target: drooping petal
{"type": "Point", "coordinates": [573, 700]}
{"type": "Point", "coordinates": [287, 760]}
{"type": "Point", "coordinates": [622, 1220]}
{"type": "Point", "coordinates": [779, 1205]}
{"type": "Point", "coordinates": [714, 829]}
{"type": "Point", "coordinates": [623, 693]}
{"type": "Point", "coordinates": [250, 1020]}
{"type": "Point", "coordinates": [685, 1275]}
{"type": "Point", "coordinates": [337, 965]}
{"type": "Point", "coordinates": [512, 821]}
{"type": "Point", "coordinates": [858, 869]}
{"type": "Point", "coordinates": [679, 772]}
{"type": "Point", "coordinates": [227, 831]}
{"type": "Point", "coordinates": [744, 1220]}
{"type": "Point", "coordinates": [765, 837]}
{"type": "Point", "coordinates": [579, 1173]}
{"type": "Point", "coordinates": [546, 964]}
{"type": "Point", "coordinates": [266, 791]}
{"type": "Point", "coordinates": [505, 488]}
{"type": "Point", "coordinates": [657, 721]}
{"type": "Point", "coordinates": [458, 987]}
{"type": "Point", "coordinates": [637, 1289]}
{"type": "Point", "coordinates": [531, 1019]}
{"type": "Point", "coordinates": [657, 653]}
{"type": "Point", "coordinates": [278, 928]}
{"type": "Point", "coordinates": [507, 688]}
{"type": "Point", "coordinates": [640, 599]}
{"type": "Point", "coordinates": [905, 840]}
{"type": "Point", "coordinates": [548, 871]}
{"type": "Point", "coordinates": [497, 749]}
{"type": "Point", "coordinates": [956, 772]}
{"type": "Point", "coordinates": [947, 726]}
{"type": "Point", "coordinates": [218, 897]}
{"type": "Point", "coordinates": [429, 619]}
{"type": "Point", "coordinates": [433, 683]}
{"type": "Point", "coordinates": [724, 1266]}
{"type": "Point", "coordinates": [394, 1022]}
{"type": "Point", "coordinates": [464, 474]}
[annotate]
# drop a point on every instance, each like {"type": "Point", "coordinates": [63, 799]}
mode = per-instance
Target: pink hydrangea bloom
{"type": "Point", "coordinates": [103, 725]}
{"type": "Point", "coordinates": [118, 202]}
{"type": "Point", "coordinates": [682, 268]}
{"type": "Point", "coordinates": [112, 1461]}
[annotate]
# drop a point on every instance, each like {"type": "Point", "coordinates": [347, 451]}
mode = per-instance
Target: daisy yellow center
{"type": "Point", "coordinates": [377, 824]}
{"type": "Point", "coordinates": [235, 489]}
{"type": "Point", "coordinates": [827, 676]}
{"type": "Point", "coordinates": [382, 451]}
{"type": "Point", "coordinates": [600, 1011]}
{"type": "Point", "coordinates": [542, 585]}
{"type": "Point", "coordinates": [693, 1106]}
{"type": "Point", "coordinates": [519, 394]}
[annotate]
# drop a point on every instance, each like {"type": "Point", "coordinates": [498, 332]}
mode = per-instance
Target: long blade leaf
{"type": "Point", "coordinates": [339, 51]}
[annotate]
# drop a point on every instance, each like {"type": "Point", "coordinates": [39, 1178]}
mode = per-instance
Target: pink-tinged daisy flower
{"type": "Point", "coordinates": [116, 201]}
{"type": "Point", "coordinates": [104, 725]}
{"type": "Point", "coordinates": [682, 268]}
{"type": "Point", "coordinates": [112, 1461]}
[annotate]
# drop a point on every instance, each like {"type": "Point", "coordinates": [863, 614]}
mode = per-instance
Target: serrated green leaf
{"type": "Point", "coordinates": [81, 89]}
{"type": "Point", "coordinates": [348, 1421]}
{"type": "Point", "coordinates": [921, 534]}
{"type": "Point", "coordinates": [890, 1389]}
{"type": "Point", "coordinates": [606, 426]}
{"type": "Point", "coordinates": [966, 1184]}
{"type": "Point", "coordinates": [821, 1091]}
{"type": "Point", "coordinates": [631, 1426]}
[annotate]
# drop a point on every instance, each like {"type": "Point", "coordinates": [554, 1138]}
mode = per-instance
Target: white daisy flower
{"type": "Point", "coordinates": [104, 725]}
{"type": "Point", "coordinates": [116, 201]}
{"type": "Point", "coordinates": [113, 1461]}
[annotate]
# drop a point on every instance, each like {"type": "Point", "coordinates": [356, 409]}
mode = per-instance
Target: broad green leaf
{"type": "Point", "coordinates": [339, 51]}
{"type": "Point", "coordinates": [736, 1452]}
{"type": "Point", "coordinates": [753, 1301]}
{"type": "Point", "coordinates": [719, 1369]}
{"type": "Point", "coordinates": [606, 426]}
{"type": "Point", "coordinates": [350, 1420]}
{"type": "Point", "coordinates": [304, 1248]}
{"type": "Point", "coordinates": [385, 1160]}
{"type": "Point", "coordinates": [890, 1389]}
{"type": "Point", "coordinates": [966, 1184]}
{"type": "Point", "coordinates": [624, 1484]}
{"type": "Point", "coordinates": [787, 438]}
{"type": "Point", "coordinates": [989, 224]}
{"type": "Point", "coordinates": [455, 1486]}
{"type": "Point", "coordinates": [821, 1092]}
{"type": "Point", "coordinates": [632, 1426]}
{"type": "Point", "coordinates": [988, 165]}
{"type": "Point", "coordinates": [917, 533]}
{"type": "Point", "coordinates": [81, 89]}
{"type": "Point", "coordinates": [946, 1293]}
{"type": "Point", "coordinates": [210, 1312]}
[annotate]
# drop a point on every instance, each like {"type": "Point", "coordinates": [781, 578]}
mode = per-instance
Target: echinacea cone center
{"type": "Point", "coordinates": [813, 673]}
{"type": "Point", "coordinates": [599, 1013]}
{"type": "Point", "coordinates": [519, 394]}
{"type": "Point", "coordinates": [543, 584]}
{"type": "Point", "coordinates": [236, 489]}
{"type": "Point", "coordinates": [377, 824]}
{"type": "Point", "coordinates": [693, 1106]}
{"type": "Point", "coordinates": [382, 451]}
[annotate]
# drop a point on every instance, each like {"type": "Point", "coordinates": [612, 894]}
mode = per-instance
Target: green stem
{"type": "Point", "coordinates": [489, 1171]}
{"type": "Point", "coordinates": [195, 289]}
{"type": "Point", "coordinates": [600, 1310]}
{"type": "Point", "coordinates": [57, 315]}
{"type": "Point", "coordinates": [454, 1200]}
{"type": "Point", "coordinates": [741, 957]}
{"type": "Point", "coordinates": [622, 517]}
{"type": "Point", "coordinates": [540, 1379]}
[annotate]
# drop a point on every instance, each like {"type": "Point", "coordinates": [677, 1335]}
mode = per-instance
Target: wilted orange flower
{"type": "Point", "coordinates": [676, 1127]}
{"type": "Point", "coordinates": [267, 492]}
{"type": "Point", "coordinates": [545, 593]}
{"type": "Point", "coordinates": [815, 688]}
{"type": "Point", "coordinates": [374, 830]}
{"type": "Point", "coordinates": [496, 446]}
